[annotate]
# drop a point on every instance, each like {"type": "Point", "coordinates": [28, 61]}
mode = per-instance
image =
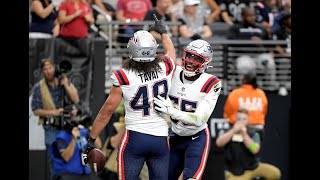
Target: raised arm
{"type": "Point", "coordinates": [70, 89]}
{"type": "Point", "coordinates": [226, 18]}
{"type": "Point", "coordinates": [215, 11]}
{"type": "Point", "coordinates": [40, 11]}
{"type": "Point", "coordinates": [67, 153]}
{"type": "Point", "coordinates": [168, 46]}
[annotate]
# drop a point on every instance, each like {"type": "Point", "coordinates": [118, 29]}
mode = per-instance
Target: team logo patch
{"type": "Point", "coordinates": [217, 87]}
{"type": "Point", "coordinates": [134, 40]}
{"type": "Point", "coordinates": [145, 53]}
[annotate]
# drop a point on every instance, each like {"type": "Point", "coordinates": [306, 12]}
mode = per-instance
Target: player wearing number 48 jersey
{"type": "Point", "coordinates": [142, 77]}
{"type": "Point", "coordinates": [193, 94]}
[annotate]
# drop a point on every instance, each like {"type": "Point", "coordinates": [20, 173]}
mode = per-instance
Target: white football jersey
{"type": "Point", "coordinates": [187, 97]}
{"type": "Point", "coordinates": [138, 92]}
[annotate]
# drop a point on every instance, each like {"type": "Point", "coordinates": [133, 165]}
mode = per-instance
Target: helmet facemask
{"type": "Point", "coordinates": [193, 63]}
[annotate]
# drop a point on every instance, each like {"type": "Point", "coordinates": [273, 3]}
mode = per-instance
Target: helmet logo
{"type": "Point", "coordinates": [145, 53]}
{"type": "Point", "coordinates": [134, 40]}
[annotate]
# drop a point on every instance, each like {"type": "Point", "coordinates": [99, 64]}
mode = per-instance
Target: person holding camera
{"type": "Point", "coordinates": [48, 100]}
{"type": "Point", "coordinates": [242, 146]}
{"type": "Point", "coordinates": [66, 152]}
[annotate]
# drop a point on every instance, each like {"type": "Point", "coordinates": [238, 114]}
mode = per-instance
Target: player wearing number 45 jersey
{"type": "Point", "coordinates": [144, 76]}
{"type": "Point", "coordinates": [193, 94]}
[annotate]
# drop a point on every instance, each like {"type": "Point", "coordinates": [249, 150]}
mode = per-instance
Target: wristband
{"type": "Point", "coordinates": [91, 140]}
{"type": "Point", "coordinates": [252, 147]}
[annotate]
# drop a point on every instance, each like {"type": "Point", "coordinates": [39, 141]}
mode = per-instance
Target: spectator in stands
{"type": "Point", "coordinates": [283, 32]}
{"type": "Point", "coordinates": [177, 8]}
{"type": "Point", "coordinates": [249, 96]}
{"type": "Point", "coordinates": [130, 11]}
{"type": "Point", "coordinates": [210, 9]}
{"type": "Point", "coordinates": [262, 16]}
{"type": "Point", "coordinates": [194, 25]}
{"type": "Point", "coordinates": [242, 144]}
{"type": "Point", "coordinates": [160, 10]}
{"type": "Point", "coordinates": [49, 97]}
{"type": "Point", "coordinates": [106, 13]}
{"type": "Point", "coordinates": [66, 152]}
{"type": "Point", "coordinates": [44, 21]}
{"type": "Point", "coordinates": [75, 17]}
{"type": "Point", "coordinates": [104, 6]}
{"type": "Point", "coordinates": [267, 12]}
{"type": "Point", "coordinates": [231, 9]}
{"type": "Point", "coordinates": [248, 28]}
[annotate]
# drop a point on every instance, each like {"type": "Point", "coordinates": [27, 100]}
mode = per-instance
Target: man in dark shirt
{"type": "Point", "coordinates": [48, 99]}
{"type": "Point", "coordinates": [242, 145]}
{"type": "Point", "coordinates": [160, 10]}
{"type": "Point", "coordinates": [248, 29]}
{"type": "Point", "coordinates": [231, 9]}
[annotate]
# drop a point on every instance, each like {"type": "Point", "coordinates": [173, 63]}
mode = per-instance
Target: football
{"type": "Point", "coordinates": [96, 160]}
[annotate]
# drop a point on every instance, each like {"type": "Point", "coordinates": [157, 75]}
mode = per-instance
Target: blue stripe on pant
{"type": "Point", "coordinates": [136, 148]}
{"type": "Point", "coordinates": [189, 154]}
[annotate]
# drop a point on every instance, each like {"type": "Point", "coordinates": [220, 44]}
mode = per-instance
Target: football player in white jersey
{"type": "Point", "coordinates": [143, 76]}
{"type": "Point", "coordinates": [193, 94]}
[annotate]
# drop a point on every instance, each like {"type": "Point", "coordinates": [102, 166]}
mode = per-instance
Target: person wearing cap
{"type": "Point", "coordinates": [194, 24]}
{"type": "Point", "coordinates": [66, 152]}
{"type": "Point", "coordinates": [242, 145]}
